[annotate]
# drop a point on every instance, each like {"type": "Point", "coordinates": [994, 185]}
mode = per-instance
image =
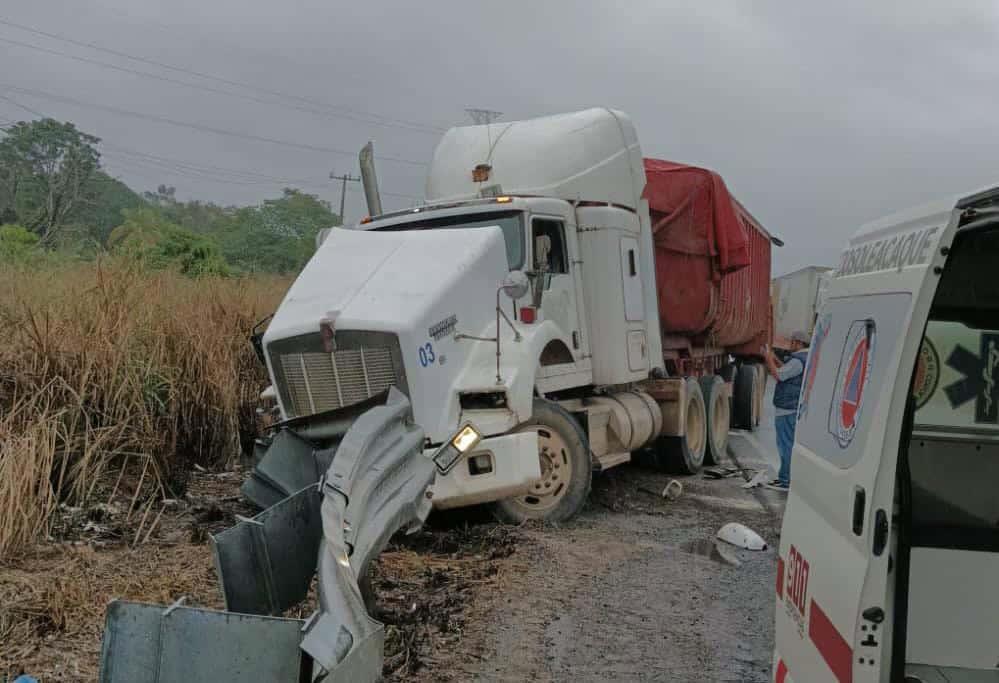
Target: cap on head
{"type": "Point", "coordinates": [800, 336]}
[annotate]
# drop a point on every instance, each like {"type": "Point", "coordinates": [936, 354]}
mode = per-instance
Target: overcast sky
{"type": "Point", "coordinates": [820, 116]}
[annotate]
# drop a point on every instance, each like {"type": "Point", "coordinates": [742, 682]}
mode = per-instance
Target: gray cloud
{"type": "Point", "coordinates": [820, 116]}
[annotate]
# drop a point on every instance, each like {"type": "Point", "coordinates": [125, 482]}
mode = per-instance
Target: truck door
{"type": "Point", "coordinates": [835, 550]}
{"type": "Point", "coordinates": [559, 299]}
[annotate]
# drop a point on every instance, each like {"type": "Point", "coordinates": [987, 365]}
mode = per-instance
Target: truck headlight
{"type": "Point", "coordinates": [448, 455]}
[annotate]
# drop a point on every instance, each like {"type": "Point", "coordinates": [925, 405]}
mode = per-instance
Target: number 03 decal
{"type": "Point", "coordinates": [427, 356]}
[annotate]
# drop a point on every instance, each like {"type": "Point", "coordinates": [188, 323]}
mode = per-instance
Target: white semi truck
{"type": "Point", "coordinates": [797, 298]}
{"type": "Point", "coordinates": [519, 310]}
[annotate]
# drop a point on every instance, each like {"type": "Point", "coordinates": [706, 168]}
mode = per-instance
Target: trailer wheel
{"type": "Point", "coordinates": [566, 469]}
{"type": "Point", "coordinates": [744, 397]}
{"type": "Point", "coordinates": [686, 453]}
{"type": "Point", "coordinates": [718, 418]}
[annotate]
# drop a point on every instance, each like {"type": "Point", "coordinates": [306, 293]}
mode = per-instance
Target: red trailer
{"type": "Point", "coordinates": [712, 262]}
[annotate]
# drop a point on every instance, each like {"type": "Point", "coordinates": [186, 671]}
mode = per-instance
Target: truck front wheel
{"type": "Point", "coordinates": [566, 469]}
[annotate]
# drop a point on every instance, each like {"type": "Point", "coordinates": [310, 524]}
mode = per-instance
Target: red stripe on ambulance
{"type": "Point", "coordinates": [781, 672]}
{"type": "Point", "coordinates": [835, 650]}
{"type": "Point", "coordinates": [780, 577]}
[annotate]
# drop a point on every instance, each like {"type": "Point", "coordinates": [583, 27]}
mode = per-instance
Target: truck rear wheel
{"type": "Point", "coordinates": [686, 453]}
{"type": "Point", "coordinates": [744, 397]}
{"type": "Point", "coordinates": [566, 469]}
{"type": "Point", "coordinates": [718, 418]}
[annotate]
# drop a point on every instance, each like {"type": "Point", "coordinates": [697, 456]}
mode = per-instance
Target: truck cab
{"type": "Point", "coordinates": [521, 302]}
{"type": "Point", "coordinates": [889, 552]}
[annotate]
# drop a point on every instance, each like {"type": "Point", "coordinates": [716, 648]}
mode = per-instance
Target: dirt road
{"type": "Point", "coordinates": [629, 591]}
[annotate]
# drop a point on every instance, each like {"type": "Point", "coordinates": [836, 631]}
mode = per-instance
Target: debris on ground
{"type": "Point", "coordinates": [721, 472]}
{"type": "Point", "coordinates": [760, 478]}
{"type": "Point", "coordinates": [422, 586]}
{"type": "Point", "coordinates": [741, 536]}
{"type": "Point", "coordinates": [138, 546]}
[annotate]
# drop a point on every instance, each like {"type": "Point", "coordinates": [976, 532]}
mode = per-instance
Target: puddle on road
{"type": "Point", "coordinates": [713, 550]}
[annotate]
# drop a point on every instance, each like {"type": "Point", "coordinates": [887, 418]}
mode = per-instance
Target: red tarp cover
{"type": "Point", "coordinates": [712, 262]}
{"type": "Point", "coordinates": [693, 213]}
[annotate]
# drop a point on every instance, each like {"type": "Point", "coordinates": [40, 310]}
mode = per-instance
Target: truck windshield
{"type": "Point", "coordinates": [510, 222]}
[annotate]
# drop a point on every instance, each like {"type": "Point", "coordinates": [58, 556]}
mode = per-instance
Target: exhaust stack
{"type": "Point", "coordinates": [370, 180]}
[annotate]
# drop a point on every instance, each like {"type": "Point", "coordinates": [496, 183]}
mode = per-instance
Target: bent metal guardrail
{"type": "Point", "coordinates": [377, 484]}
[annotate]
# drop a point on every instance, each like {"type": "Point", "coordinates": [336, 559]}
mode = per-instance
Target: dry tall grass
{"type": "Point", "coordinates": [102, 364]}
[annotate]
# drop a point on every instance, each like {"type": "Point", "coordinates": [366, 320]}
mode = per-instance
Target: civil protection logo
{"type": "Point", "coordinates": [855, 366]}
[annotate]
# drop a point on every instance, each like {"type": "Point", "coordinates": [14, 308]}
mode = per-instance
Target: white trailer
{"type": "Point", "coordinates": [797, 297]}
{"type": "Point", "coordinates": [517, 308]}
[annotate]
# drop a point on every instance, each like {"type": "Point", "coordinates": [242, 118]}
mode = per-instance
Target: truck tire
{"type": "Point", "coordinates": [566, 469]}
{"type": "Point", "coordinates": [718, 418]}
{"type": "Point", "coordinates": [744, 397]}
{"type": "Point", "coordinates": [685, 453]}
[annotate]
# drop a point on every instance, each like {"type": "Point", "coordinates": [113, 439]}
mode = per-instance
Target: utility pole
{"type": "Point", "coordinates": [343, 189]}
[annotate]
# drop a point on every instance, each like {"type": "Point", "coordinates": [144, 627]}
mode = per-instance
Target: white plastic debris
{"type": "Point", "coordinates": [760, 478]}
{"type": "Point", "coordinates": [741, 536]}
{"type": "Point", "coordinates": [673, 490]}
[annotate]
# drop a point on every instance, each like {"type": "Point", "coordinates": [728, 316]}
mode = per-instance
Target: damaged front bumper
{"type": "Point", "coordinates": [377, 484]}
{"type": "Point", "coordinates": [500, 467]}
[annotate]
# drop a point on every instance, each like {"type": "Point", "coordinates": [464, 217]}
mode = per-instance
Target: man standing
{"type": "Point", "coordinates": [789, 376]}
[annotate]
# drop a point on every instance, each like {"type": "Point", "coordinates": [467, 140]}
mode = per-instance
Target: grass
{"type": "Point", "coordinates": [106, 366]}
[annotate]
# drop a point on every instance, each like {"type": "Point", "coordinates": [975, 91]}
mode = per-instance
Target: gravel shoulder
{"type": "Point", "coordinates": [629, 591]}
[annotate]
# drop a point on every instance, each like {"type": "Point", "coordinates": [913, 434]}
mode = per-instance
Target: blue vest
{"type": "Point", "coordinates": [786, 393]}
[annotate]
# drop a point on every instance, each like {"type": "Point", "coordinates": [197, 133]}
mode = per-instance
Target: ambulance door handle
{"type": "Point", "coordinates": [859, 505]}
{"type": "Point", "coordinates": [880, 532]}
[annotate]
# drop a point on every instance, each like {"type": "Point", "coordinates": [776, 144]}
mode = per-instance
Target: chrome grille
{"type": "Point", "coordinates": [311, 380]}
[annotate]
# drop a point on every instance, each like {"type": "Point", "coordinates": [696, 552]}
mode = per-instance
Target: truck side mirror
{"type": "Point", "coordinates": [515, 284]}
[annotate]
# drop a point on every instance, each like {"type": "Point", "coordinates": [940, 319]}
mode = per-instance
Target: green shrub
{"type": "Point", "coordinates": [17, 243]}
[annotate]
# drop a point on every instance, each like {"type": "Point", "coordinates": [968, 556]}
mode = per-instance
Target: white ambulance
{"type": "Point", "coordinates": [889, 555]}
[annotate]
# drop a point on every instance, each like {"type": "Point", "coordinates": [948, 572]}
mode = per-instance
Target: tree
{"type": "Point", "coordinates": [148, 236]}
{"type": "Point", "coordinates": [278, 236]}
{"type": "Point", "coordinates": [100, 212]}
{"type": "Point", "coordinates": [44, 168]}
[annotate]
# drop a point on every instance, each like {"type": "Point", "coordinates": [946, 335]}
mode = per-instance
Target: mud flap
{"type": "Point", "coordinates": [265, 564]}
{"type": "Point", "coordinates": [177, 644]}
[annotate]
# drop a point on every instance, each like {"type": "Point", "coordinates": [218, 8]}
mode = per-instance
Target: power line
{"type": "Point", "coordinates": [21, 106]}
{"type": "Point", "coordinates": [238, 174]}
{"type": "Point", "coordinates": [366, 117]}
{"type": "Point", "coordinates": [187, 168]}
{"type": "Point", "coordinates": [207, 88]}
{"type": "Point", "coordinates": [198, 126]}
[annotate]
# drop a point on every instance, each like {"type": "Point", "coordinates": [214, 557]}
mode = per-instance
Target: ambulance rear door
{"type": "Point", "coordinates": [835, 545]}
